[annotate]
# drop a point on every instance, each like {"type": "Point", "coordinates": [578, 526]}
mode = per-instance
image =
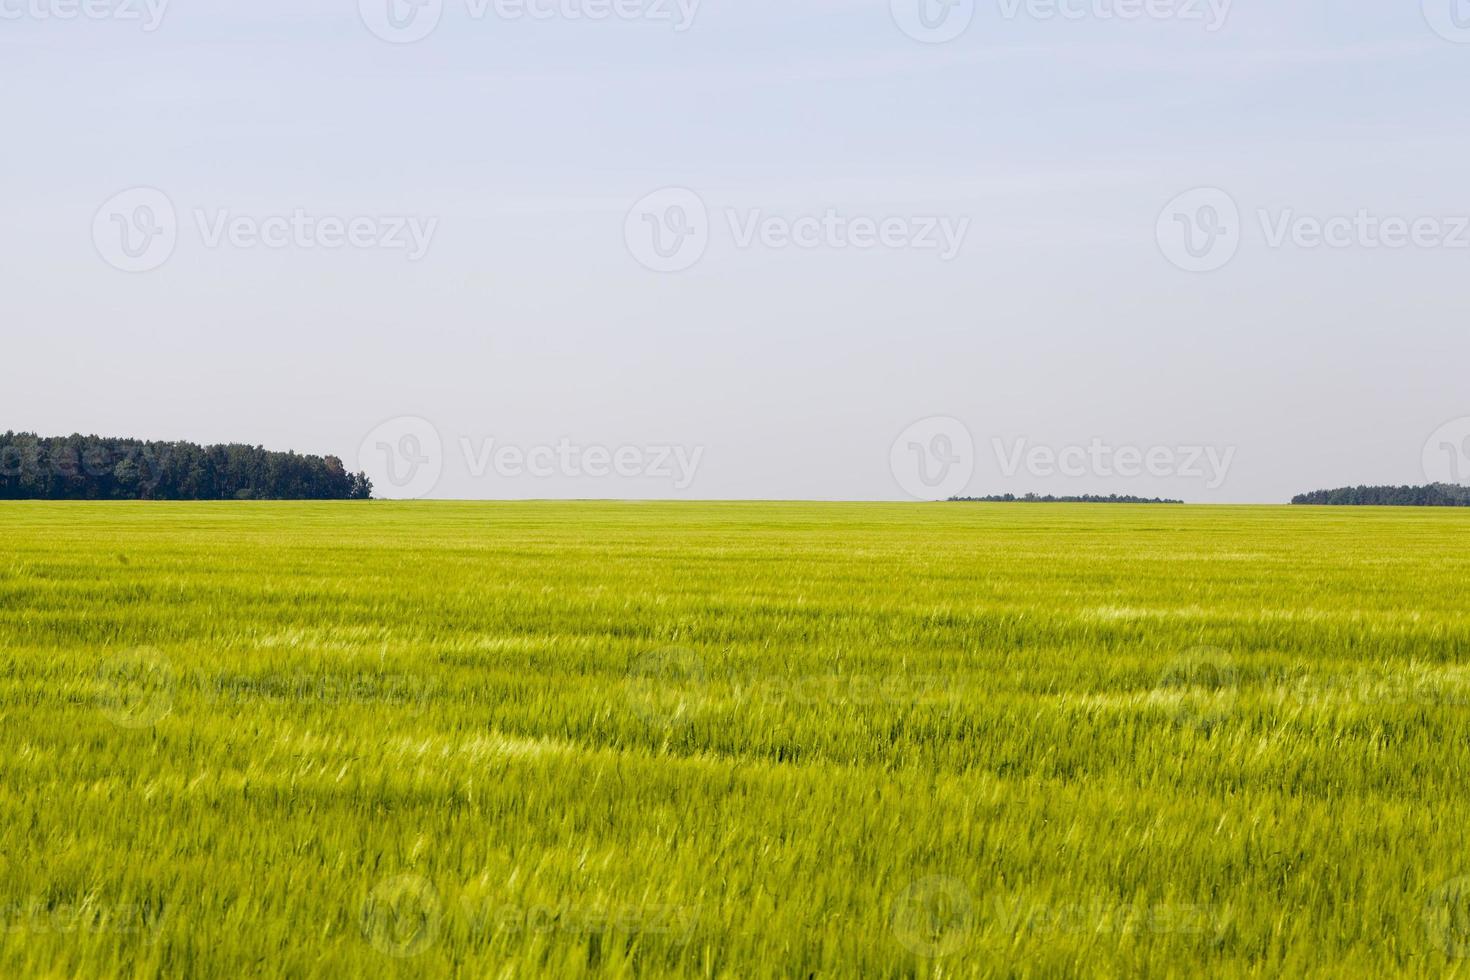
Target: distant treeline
{"type": "Point", "coordinates": [1032, 498]}
{"type": "Point", "coordinates": [1434, 495]}
{"type": "Point", "coordinates": [92, 468]}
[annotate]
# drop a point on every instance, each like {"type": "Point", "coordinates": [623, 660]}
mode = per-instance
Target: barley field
{"type": "Point", "coordinates": [733, 740]}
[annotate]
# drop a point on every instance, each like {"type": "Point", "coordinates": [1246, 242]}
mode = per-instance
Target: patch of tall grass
{"type": "Point", "coordinates": [732, 740]}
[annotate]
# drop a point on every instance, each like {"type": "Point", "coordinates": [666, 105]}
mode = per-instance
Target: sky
{"type": "Point", "coordinates": [773, 249]}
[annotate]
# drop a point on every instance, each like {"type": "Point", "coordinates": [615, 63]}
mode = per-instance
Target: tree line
{"type": "Point", "coordinates": [1087, 498]}
{"type": "Point", "coordinates": [1434, 495]}
{"type": "Point", "coordinates": [82, 467]}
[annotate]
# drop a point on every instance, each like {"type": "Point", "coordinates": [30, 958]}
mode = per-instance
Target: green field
{"type": "Point", "coordinates": [733, 740]}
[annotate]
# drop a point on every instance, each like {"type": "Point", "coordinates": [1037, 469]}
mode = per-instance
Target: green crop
{"type": "Point", "coordinates": [733, 740]}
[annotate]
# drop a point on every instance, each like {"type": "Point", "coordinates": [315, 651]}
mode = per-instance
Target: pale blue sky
{"type": "Point", "coordinates": [529, 319]}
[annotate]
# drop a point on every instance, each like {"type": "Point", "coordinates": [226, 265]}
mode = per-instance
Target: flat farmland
{"type": "Point", "coordinates": [733, 740]}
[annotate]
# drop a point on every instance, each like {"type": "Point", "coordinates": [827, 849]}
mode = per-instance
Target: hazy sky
{"type": "Point", "coordinates": [457, 213]}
